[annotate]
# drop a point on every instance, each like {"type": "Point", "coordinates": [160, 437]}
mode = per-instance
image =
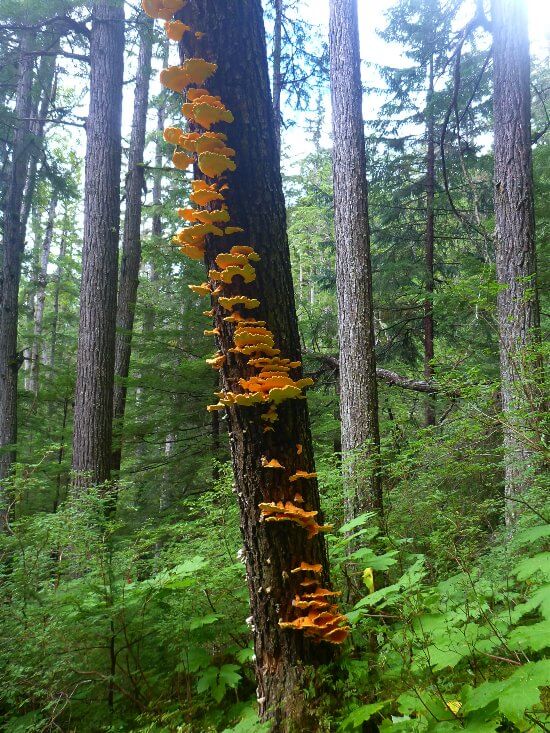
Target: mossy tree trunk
{"type": "Point", "coordinates": [285, 659]}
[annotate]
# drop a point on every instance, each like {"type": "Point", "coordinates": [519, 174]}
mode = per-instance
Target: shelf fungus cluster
{"type": "Point", "coordinates": [267, 379]}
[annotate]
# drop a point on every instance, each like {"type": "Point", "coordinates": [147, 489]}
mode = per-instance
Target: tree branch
{"type": "Point", "coordinates": [384, 375]}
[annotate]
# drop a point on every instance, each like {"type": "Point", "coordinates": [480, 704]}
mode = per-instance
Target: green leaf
{"type": "Point", "coordinates": [199, 621]}
{"type": "Point", "coordinates": [357, 522]}
{"type": "Point", "coordinates": [515, 694]}
{"type": "Point", "coordinates": [531, 566]}
{"type": "Point", "coordinates": [229, 674]}
{"type": "Point", "coordinates": [539, 599]}
{"type": "Point", "coordinates": [245, 655]}
{"type": "Point", "coordinates": [528, 536]}
{"type": "Point", "coordinates": [361, 715]}
{"type": "Point", "coordinates": [535, 637]}
{"type": "Point", "coordinates": [198, 658]}
{"type": "Point", "coordinates": [371, 560]}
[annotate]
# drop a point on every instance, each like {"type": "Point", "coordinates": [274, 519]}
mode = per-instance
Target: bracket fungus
{"type": "Point", "coordinates": [214, 164]}
{"type": "Point", "coordinates": [162, 9]}
{"type": "Point", "coordinates": [266, 377]}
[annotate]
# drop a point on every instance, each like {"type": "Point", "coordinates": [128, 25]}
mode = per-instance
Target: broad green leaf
{"type": "Point", "coordinates": [532, 534]}
{"type": "Point", "coordinates": [530, 566]}
{"type": "Point", "coordinates": [357, 522]}
{"type": "Point", "coordinates": [535, 637]}
{"type": "Point", "coordinates": [539, 599]}
{"type": "Point", "coordinates": [199, 621]}
{"type": "Point", "coordinates": [515, 694]}
{"type": "Point", "coordinates": [361, 715]}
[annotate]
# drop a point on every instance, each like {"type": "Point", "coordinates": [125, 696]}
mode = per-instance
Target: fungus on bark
{"type": "Point", "coordinates": [267, 380]}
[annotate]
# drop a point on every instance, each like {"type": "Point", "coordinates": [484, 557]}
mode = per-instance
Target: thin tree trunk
{"type": "Point", "coordinates": [47, 78]}
{"type": "Point", "coordinates": [40, 297]}
{"type": "Point", "coordinates": [13, 244]}
{"type": "Point", "coordinates": [285, 660]}
{"type": "Point", "coordinates": [93, 410]}
{"type": "Point", "coordinates": [57, 292]}
{"type": "Point", "coordinates": [131, 246]}
{"type": "Point", "coordinates": [277, 78]}
{"type": "Point", "coordinates": [157, 177]}
{"type": "Point", "coordinates": [517, 302]}
{"type": "Point", "coordinates": [429, 413]}
{"type": "Point", "coordinates": [358, 386]}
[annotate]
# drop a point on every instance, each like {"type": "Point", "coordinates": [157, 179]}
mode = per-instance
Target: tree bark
{"type": "Point", "coordinates": [429, 410]}
{"type": "Point", "coordinates": [93, 410]}
{"type": "Point", "coordinates": [131, 245]}
{"type": "Point", "coordinates": [285, 660]}
{"type": "Point", "coordinates": [358, 387]}
{"type": "Point", "coordinates": [277, 79]}
{"type": "Point", "coordinates": [13, 244]}
{"type": "Point", "coordinates": [40, 297]}
{"type": "Point", "coordinates": [46, 77]}
{"type": "Point", "coordinates": [57, 292]}
{"type": "Point", "coordinates": [517, 302]}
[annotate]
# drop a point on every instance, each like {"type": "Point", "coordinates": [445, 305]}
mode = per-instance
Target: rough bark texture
{"type": "Point", "coordinates": [517, 306]}
{"type": "Point", "coordinates": [235, 39]}
{"type": "Point", "coordinates": [131, 245]}
{"type": "Point", "coordinates": [277, 80]}
{"type": "Point", "coordinates": [358, 387]}
{"type": "Point", "coordinates": [40, 298]}
{"type": "Point", "coordinates": [93, 411]}
{"type": "Point", "coordinates": [429, 414]}
{"type": "Point", "coordinates": [13, 244]}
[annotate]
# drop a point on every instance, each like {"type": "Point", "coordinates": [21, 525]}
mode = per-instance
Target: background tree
{"type": "Point", "coordinates": [131, 242]}
{"type": "Point", "coordinates": [12, 252]}
{"type": "Point", "coordinates": [358, 387]}
{"type": "Point", "coordinates": [518, 307]}
{"type": "Point", "coordinates": [93, 408]}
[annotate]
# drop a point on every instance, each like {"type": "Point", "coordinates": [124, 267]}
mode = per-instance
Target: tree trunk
{"type": "Point", "coordinates": [47, 80]}
{"type": "Point", "coordinates": [13, 244]}
{"type": "Point", "coordinates": [57, 293]}
{"type": "Point", "coordinates": [40, 297]}
{"type": "Point", "coordinates": [285, 659]}
{"type": "Point", "coordinates": [93, 410]}
{"type": "Point", "coordinates": [156, 227]}
{"type": "Point", "coordinates": [131, 246]}
{"type": "Point", "coordinates": [277, 78]}
{"type": "Point", "coordinates": [429, 414]}
{"type": "Point", "coordinates": [517, 303]}
{"type": "Point", "coordinates": [358, 387]}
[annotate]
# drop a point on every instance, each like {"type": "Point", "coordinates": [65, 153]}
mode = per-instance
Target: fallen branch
{"type": "Point", "coordinates": [385, 375]}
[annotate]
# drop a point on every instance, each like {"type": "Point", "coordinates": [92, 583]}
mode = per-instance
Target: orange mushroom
{"type": "Point", "coordinates": [172, 135]}
{"type": "Point", "coordinates": [248, 273]}
{"type": "Point", "coordinates": [203, 289]}
{"type": "Point", "coordinates": [163, 9]}
{"type": "Point", "coordinates": [217, 361]}
{"type": "Point", "coordinates": [214, 164]}
{"type": "Point", "coordinates": [305, 567]}
{"type": "Point", "coordinates": [181, 160]}
{"type": "Point", "coordinates": [175, 29]}
{"type": "Point", "coordinates": [273, 463]}
{"type": "Point", "coordinates": [229, 303]}
{"type": "Point", "coordinates": [192, 71]}
{"type": "Point", "coordinates": [302, 475]}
